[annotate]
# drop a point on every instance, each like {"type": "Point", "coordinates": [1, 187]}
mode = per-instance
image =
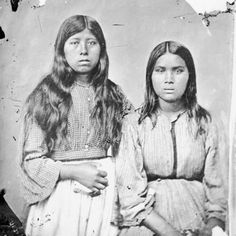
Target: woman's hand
{"type": "Point", "coordinates": [88, 174]}
{"type": "Point", "coordinates": [212, 222]}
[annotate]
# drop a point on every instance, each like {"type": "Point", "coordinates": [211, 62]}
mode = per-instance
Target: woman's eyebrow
{"type": "Point", "coordinates": [159, 66]}
{"type": "Point", "coordinates": [75, 38]}
{"type": "Point", "coordinates": [89, 38]}
{"type": "Point", "coordinates": [178, 67]}
{"type": "Point", "coordinates": [92, 38]}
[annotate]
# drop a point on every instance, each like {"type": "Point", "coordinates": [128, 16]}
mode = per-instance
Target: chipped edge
{"type": "Point", "coordinates": [230, 8]}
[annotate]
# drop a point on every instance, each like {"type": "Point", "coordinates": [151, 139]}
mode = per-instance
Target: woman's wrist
{"type": "Point", "coordinates": [65, 172]}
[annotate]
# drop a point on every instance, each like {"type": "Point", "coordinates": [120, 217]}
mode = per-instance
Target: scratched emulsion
{"type": "Point", "coordinates": [132, 29]}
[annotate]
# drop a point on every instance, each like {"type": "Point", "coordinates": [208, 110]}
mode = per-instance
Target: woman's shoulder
{"type": "Point", "coordinates": [131, 120]}
{"type": "Point", "coordinates": [113, 86]}
{"type": "Point", "coordinates": [40, 89]}
{"type": "Point", "coordinates": [214, 125]}
{"type": "Point", "coordinates": [118, 93]}
{"type": "Point", "coordinates": [38, 99]}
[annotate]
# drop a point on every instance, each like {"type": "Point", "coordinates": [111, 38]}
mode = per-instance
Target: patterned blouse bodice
{"type": "Point", "coordinates": [81, 136]}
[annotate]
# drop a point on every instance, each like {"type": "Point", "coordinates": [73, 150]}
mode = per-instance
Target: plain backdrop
{"type": "Point", "coordinates": [132, 29]}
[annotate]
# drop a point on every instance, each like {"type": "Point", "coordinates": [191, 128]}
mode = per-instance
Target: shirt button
{"type": "Point", "coordinates": [86, 146]}
{"type": "Point", "coordinates": [88, 132]}
{"type": "Point", "coordinates": [89, 99]}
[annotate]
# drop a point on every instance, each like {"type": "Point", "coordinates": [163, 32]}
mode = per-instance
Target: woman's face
{"type": "Point", "coordinates": [170, 77]}
{"type": "Point", "coordinates": [82, 52]}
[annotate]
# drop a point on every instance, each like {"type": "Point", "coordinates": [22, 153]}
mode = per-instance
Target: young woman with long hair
{"type": "Point", "coordinates": [70, 120]}
{"type": "Point", "coordinates": [168, 162]}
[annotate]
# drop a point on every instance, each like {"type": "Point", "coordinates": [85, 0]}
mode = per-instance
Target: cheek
{"type": "Point", "coordinates": [183, 84]}
{"type": "Point", "coordinates": [67, 55]}
{"type": "Point", "coordinates": [96, 55]}
{"type": "Point", "coordinates": [70, 58]}
{"type": "Point", "coordinates": [156, 86]}
{"type": "Point", "coordinates": [96, 58]}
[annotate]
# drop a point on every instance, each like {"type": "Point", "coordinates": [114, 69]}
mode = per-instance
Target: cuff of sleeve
{"type": "Point", "coordinates": [36, 190]}
{"type": "Point", "coordinates": [50, 176]}
{"type": "Point", "coordinates": [138, 219]}
{"type": "Point", "coordinates": [146, 208]}
{"type": "Point", "coordinates": [219, 215]}
{"type": "Point", "coordinates": [216, 211]}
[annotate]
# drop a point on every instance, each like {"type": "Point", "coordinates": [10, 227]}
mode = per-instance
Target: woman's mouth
{"type": "Point", "coordinates": [169, 90]}
{"type": "Point", "coordinates": [84, 61]}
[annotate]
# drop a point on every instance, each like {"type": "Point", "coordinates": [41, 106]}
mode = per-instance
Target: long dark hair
{"type": "Point", "coordinates": [151, 103]}
{"type": "Point", "coordinates": [50, 102]}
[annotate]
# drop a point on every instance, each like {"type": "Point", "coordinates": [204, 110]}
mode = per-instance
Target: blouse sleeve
{"type": "Point", "coordinates": [127, 105]}
{"type": "Point", "coordinates": [134, 198]}
{"type": "Point", "coordinates": [213, 181]}
{"type": "Point", "coordinates": [40, 172]}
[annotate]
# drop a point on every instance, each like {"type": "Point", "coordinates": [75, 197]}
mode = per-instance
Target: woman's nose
{"type": "Point", "coordinates": [83, 48]}
{"type": "Point", "coordinates": [169, 77]}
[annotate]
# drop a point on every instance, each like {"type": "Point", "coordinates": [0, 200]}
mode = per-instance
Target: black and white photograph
{"type": "Point", "coordinates": [117, 118]}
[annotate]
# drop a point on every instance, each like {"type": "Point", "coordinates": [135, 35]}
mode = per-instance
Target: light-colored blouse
{"type": "Point", "coordinates": [40, 168]}
{"type": "Point", "coordinates": [171, 160]}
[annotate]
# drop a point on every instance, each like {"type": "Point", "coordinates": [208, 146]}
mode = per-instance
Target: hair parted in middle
{"type": "Point", "coordinates": [50, 102]}
{"type": "Point", "coordinates": [151, 104]}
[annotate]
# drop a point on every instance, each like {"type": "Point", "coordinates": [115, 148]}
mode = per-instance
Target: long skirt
{"type": "Point", "coordinates": [71, 210]}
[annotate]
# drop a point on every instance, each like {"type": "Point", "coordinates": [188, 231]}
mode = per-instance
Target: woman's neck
{"type": "Point", "coordinates": [171, 109]}
{"type": "Point", "coordinates": [83, 78]}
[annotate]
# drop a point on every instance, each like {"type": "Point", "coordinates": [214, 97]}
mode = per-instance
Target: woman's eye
{"type": "Point", "coordinates": [159, 69]}
{"type": "Point", "coordinates": [179, 70]}
{"type": "Point", "coordinates": [92, 42]}
{"type": "Point", "coordinates": [74, 42]}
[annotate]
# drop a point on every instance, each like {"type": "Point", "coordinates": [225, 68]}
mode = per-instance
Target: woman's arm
{"type": "Point", "coordinates": [40, 173]}
{"type": "Point", "coordinates": [131, 178]}
{"type": "Point", "coordinates": [85, 173]}
{"type": "Point", "coordinates": [213, 182]}
{"type": "Point", "coordinates": [158, 225]}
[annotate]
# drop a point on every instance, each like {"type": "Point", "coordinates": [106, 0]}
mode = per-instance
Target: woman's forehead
{"type": "Point", "coordinates": [170, 59]}
{"type": "Point", "coordinates": [86, 33]}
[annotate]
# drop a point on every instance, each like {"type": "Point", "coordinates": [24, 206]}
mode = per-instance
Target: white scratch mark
{"type": "Point", "coordinates": [40, 24]}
